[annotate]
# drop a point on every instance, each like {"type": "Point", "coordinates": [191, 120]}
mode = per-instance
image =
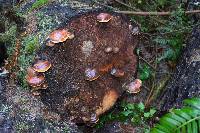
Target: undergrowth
{"type": "Point", "coordinates": [136, 114]}
{"type": "Point", "coordinates": [163, 37]}
{"type": "Point", "coordinates": [184, 120]}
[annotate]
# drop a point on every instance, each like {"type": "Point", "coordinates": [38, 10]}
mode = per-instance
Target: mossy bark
{"type": "Point", "coordinates": [186, 80]}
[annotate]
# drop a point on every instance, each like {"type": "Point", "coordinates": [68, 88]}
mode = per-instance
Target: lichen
{"type": "Point", "coordinates": [87, 48]}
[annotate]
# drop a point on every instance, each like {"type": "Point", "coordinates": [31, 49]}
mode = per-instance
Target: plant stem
{"type": "Point", "coordinates": [141, 13]}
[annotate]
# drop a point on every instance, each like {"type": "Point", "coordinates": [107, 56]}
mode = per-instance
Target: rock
{"type": "Point", "coordinates": [69, 91]}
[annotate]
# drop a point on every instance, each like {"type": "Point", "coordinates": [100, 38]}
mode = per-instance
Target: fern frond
{"type": "Point", "coordinates": [184, 120]}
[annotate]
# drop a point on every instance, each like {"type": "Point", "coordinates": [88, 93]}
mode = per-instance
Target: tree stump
{"type": "Point", "coordinates": [69, 91]}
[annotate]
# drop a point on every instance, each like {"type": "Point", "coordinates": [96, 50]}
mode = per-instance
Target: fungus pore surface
{"type": "Point", "coordinates": [69, 93]}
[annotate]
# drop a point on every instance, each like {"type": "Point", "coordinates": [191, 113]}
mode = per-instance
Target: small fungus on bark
{"type": "Point", "coordinates": [42, 66]}
{"type": "Point", "coordinates": [108, 49]}
{"type": "Point", "coordinates": [31, 72]}
{"type": "Point", "coordinates": [91, 74]}
{"type": "Point", "coordinates": [115, 50]}
{"type": "Point", "coordinates": [58, 36]}
{"type": "Point", "coordinates": [135, 86]}
{"type": "Point", "coordinates": [117, 72]}
{"type": "Point", "coordinates": [35, 81]}
{"type": "Point", "coordinates": [104, 17]}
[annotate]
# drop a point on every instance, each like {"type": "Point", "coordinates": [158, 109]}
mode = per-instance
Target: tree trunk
{"type": "Point", "coordinates": [186, 80]}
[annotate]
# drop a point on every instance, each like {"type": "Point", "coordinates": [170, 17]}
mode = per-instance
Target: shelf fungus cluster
{"type": "Point", "coordinates": [89, 66]}
{"type": "Point", "coordinates": [35, 75]}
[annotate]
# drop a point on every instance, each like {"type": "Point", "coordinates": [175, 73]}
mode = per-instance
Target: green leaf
{"type": "Point", "coordinates": [161, 128]}
{"type": "Point", "coordinates": [183, 129]}
{"type": "Point", "coordinates": [147, 114]}
{"type": "Point", "coordinates": [176, 117]}
{"type": "Point", "coordinates": [184, 120]}
{"type": "Point", "coordinates": [130, 106]}
{"type": "Point", "coordinates": [194, 127]}
{"type": "Point", "coordinates": [152, 112]}
{"type": "Point", "coordinates": [182, 114]}
{"type": "Point", "coordinates": [189, 128]}
{"type": "Point", "coordinates": [141, 106]}
{"type": "Point", "coordinates": [126, 113]}
{"type": "Point", "coordinates": [157, 131]}
{"type": "Point", "coordinates": [198, 122]}
{"type": "Point", "coordinates": [193, 102]}
{"type": "Point", "coordinates": [144, 72]}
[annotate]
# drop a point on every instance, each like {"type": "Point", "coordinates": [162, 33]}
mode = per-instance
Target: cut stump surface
{"type": "Point", "coordinates": [69, 92]}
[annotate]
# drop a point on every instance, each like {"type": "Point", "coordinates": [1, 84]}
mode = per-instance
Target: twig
{"type": "Point", "coordinates": [154, 13]}
{"type": "Point", "coordinates": [137, 10]}
{"type": "Point", "coordinates": [178, 30]}
{"type": "Point", "coordinates": [147, 63]}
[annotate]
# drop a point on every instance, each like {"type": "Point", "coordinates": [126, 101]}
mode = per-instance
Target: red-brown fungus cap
{"type": "Point", "coordinates": [104, 17]}
{"type": "Point", "coordinates": [91, 74]}
{"type": "Point", "coordinates": [58, 36]}
{"type": "Point", "coordinates": [35, 81]}
{"type": "Point", "coordinates": [31, 72]}
{"type": "Point", "coordinates": [50, 43]}
{"type": "Point", "coordinates": [41, 66]}
{"type": "Point", "coordinates": [134, 87]}
{"type": "Point", "coordinates": [117, 72]}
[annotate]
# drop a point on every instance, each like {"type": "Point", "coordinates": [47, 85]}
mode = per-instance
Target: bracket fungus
{"type": "Point", "coordinates": [58, 36]}
{"type": "Point", "coordinates": [135, 86]}
{"type": "Point", "coordinates": [80, 85]}
{"type": "Point", "coordinates": [91, 74]}
{"type": "Point", "coordinates": [104, 17]}
{"type": "Point", "coordinates": [42, 66]}
{"type": "Point", "coordinates": [35, 75]}
{"type": "Point", "coordinates": [108, 49]}
{"type": "Point", "coordinates": [35, 80]}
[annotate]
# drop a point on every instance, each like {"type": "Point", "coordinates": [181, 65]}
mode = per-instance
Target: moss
{"type": "Point", "coordinates": [31, 43]}
{"type": "Point", "coordinates": [10, 33]}
{"type": "Point", "coordinates": [38, 4]}
{"type": "Point", "coordinates": [21, 127]}
{"type": "Point", "coordinates": [46, 23]}
{"type": "Point", "coordinates": [29, 46]}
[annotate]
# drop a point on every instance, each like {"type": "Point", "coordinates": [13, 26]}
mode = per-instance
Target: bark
{"type": "Point", "coordinates": [186, 80]}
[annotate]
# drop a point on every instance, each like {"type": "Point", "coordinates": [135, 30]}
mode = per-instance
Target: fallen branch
{"type": "Point", "coordinates": [154, 13]}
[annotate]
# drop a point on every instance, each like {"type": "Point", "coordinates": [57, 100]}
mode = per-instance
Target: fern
{"type": "Point", "coordinates": [184, 120]}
